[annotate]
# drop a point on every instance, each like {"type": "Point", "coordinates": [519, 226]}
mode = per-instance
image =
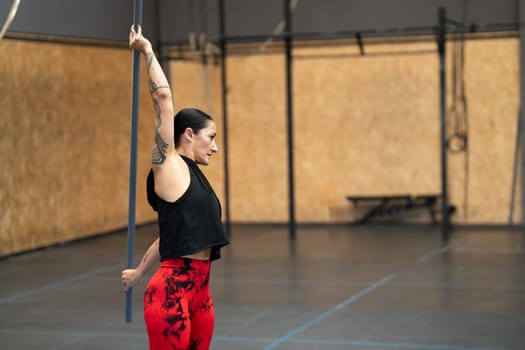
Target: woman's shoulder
{"type": "Point", "coordinates": [172, 178]}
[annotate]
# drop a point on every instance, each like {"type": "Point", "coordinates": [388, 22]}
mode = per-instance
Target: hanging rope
{"type": "Point", "coordinates": [457, 141]}
{"type": "Point", "coordinates": [207, 53]}
{"type": "Point", "coordinates": [278, 29]}
{"type": "Point", "coordinates": [10, 17]}
{"type": "Point", "coordinates": [192, 38]}
{"type": "Point", "coordinates": [515, 168]}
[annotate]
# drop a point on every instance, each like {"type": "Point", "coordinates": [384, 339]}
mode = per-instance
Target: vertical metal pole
{"type": "Point", "coordinates": [133, 157]}
{"type": "Point", "coordinates": [445, 224]}
{"type": "Point", "coordinates": [521, 14]}
{"type": "Point", "coordinates": [289, 114]}
{"type": "Point", "coordinates": [222, 34]}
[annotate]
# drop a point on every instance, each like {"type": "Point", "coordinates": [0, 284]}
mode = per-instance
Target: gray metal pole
{"type": "Point", "coordinates": [289, 116]}
{"type": "Point", "coordinates": [133, 158]}
{"type": "Point", "coordinates": [445, 224]}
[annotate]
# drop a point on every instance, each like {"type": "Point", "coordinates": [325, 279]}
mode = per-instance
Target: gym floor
{"type": "Point", "coordinates": [369, 287]}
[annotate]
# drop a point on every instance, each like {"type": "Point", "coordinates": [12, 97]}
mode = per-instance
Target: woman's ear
{"type": "Point", "coordinates": [188, 134]}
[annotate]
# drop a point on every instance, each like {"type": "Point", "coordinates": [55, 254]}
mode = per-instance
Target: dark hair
{"type": "Point", "coordinates": [190, 118]}
{"type": "Point", "coordinates": [186, 118]}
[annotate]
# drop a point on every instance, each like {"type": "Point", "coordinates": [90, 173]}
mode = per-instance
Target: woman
{"type": "Point", "coordinates": [178, 309]}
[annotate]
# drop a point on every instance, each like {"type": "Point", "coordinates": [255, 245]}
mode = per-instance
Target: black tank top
{"type": "Point", "coordinates": [191, 223]}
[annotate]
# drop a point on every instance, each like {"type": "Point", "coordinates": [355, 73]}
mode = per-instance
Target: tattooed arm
{"type": "Point", "coordinates": [161, 96]}
{"type": "Point", "coordinates": [131, 277]}
{"type": "Point", "coordinates": [171, 172]}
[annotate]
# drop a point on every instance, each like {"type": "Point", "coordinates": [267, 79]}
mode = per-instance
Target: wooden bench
{"type": "Point", "coordinates": [393, 204]}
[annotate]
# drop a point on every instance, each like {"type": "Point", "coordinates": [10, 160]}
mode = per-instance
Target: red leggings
{"type": "Point", "coordinates": [178, 308]}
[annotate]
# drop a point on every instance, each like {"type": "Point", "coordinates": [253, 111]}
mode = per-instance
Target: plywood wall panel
{"type": "Point", "coordinates": [492, 87]}
{"type": "Point", "coordinates": [257, 127]}
{"type": "Point", "coordinates": [369, 125]}
{"type": "Point", "coordinates": [65, 143]}
{"type": "Point", "coordinates": [365, 125]}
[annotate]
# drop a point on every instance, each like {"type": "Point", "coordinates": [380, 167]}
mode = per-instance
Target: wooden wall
{"type": "Point", "coordinates": [369, 125]}
{"type": "Point", "coordinates": [64, 145]}
{"type": "Point", "coordinates": [363, 125]}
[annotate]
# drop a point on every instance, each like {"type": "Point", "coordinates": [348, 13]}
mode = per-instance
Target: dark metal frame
{"type": "Point", "coordinates": [289, 117]}
{"type": "Point", "coordinates": [222, 31]}
{"type": "Point", "coordinates": [442, 30]}
{"type": "Point", "coordinates": [288, 37]}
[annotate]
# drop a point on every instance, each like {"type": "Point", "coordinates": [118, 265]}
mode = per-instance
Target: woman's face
{"type": "Point", "coordinates": [204, 144]}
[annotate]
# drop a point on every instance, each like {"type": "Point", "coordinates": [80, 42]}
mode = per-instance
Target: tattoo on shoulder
{"type": "Point", "coordinates": [158, 154]}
